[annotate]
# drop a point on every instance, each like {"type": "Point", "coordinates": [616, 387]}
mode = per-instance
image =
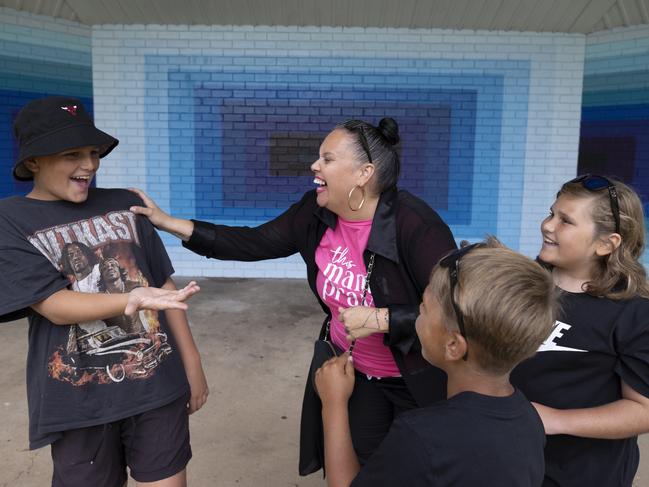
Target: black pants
{"type": "Point", "coordinates": [372, 408]}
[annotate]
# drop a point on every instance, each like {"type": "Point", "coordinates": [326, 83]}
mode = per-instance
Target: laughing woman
{"type": "Point", "coordinates": [356, 223]}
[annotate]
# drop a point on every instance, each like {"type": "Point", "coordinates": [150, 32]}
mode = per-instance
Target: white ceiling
{"type": "Point", "coordinates": [573, 16]}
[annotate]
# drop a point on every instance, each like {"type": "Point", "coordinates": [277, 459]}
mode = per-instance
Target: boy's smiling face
{"type": "Point", "coordinates": [64, 176]}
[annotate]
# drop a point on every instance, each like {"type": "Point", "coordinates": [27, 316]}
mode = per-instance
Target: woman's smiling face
{"type": "Point", "coordinates": [336, 171]}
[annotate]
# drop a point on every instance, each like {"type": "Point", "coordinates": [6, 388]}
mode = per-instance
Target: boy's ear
{"type": "Point", "coordinates": [607, 244]}
{"type": "Point", "coordinates": [455, 346]}
{"type": "Point", "coordinates": [31, 164]}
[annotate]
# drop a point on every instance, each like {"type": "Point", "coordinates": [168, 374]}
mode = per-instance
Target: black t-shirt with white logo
{"type": "Point", "coordinates": [468, 440]}
{"type": "Point", "coordinates": [596, 344]}
{"type": "Point", "coordinates": [93, 372]}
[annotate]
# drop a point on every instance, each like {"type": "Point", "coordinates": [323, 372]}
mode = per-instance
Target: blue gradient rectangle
{"type": "Point", "coordinates": [218, 114]}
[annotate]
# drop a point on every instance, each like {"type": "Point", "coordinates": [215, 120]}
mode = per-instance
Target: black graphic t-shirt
{"type": "Point", "coordinates": [93, 372]}
{"type": "Point", "coordinates": [469, 439]}
{"type": "Point", "coordinates": [595, 344]}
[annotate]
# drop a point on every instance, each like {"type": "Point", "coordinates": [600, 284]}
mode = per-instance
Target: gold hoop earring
{"type": "Point", "coordinates": [349, 199]}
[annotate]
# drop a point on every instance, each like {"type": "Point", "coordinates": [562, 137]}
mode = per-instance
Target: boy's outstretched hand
{"type": "Point", "coordinates": [334, 381]}
{"type": "Point", "coordinates": [159, 299]}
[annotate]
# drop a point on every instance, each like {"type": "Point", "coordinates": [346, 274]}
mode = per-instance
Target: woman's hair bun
{"type": "Point", "coordinates": [389, 130]}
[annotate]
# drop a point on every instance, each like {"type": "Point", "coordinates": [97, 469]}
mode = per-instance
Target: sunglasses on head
{"type": "Point", "coordinates": [358, 127]}
{"type": "Point", "coordinates": [593, 182]}
{"type": "Point", "coordinates": [452, 263]}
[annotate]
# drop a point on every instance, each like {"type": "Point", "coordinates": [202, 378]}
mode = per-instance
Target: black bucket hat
{"type": "Point", "coordinates": [54, 124]}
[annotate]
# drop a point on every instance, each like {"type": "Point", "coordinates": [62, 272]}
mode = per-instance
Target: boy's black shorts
{"type": "Point", "coordinates": [154, 445]}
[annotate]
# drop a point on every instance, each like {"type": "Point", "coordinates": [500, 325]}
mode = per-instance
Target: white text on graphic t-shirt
{"type": "Point", "coordinates": [340, 283]}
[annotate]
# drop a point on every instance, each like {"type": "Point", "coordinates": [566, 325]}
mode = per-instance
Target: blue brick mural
{"type": "Point", "coordinates": [222, 120]}
{"type": "Point", "coordinates": [222, 123]}
{"type": "Point", "coordinates": [10, 104]}
{"type": "Point", "coordinates": [615, 114]}
{"type": "Point", "coordinates": [30, 71]}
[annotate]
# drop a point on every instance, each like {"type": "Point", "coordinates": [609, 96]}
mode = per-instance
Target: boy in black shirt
{"type": "Point", "coordinates": [104, 396]}
{"type": "Point", "coordinates": [486, 308]}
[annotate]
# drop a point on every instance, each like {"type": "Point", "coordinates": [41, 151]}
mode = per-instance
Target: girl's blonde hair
{"type": "Point", "coordinates": [619, 275]}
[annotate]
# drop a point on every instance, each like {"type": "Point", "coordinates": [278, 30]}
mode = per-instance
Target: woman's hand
{"type": "Point", "coordinates": [152, 211]}
{"type": "Point", "coordinates": [334, 381]}
{"type": "Point", "coordinates": [179, 227]}
{"type": "Point", "coordinates": [361, 321]}
{"type": "Point", "coordinates": [159, 299]}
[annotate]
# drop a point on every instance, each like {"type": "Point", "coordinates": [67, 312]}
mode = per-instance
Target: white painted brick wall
{"type": "Point", "coordinates": [553, 109]}
{"type": "Point", "coordinates": [41, 30]}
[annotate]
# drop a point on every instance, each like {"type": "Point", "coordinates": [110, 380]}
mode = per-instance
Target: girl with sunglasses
{"type": "Point", "coordinates": [589, 380]}
{"type": "Point", "coordinates": [354, 227]}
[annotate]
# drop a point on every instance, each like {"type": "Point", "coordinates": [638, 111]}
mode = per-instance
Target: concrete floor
{"type": "Point", "coordinates": [253, 332]}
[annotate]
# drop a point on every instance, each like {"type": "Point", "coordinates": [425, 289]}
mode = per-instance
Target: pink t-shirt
{"type": "Point", "coordinates": [340, 283]}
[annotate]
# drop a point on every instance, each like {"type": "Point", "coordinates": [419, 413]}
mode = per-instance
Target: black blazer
{"type": "Point", "coordinates": [408, 238]}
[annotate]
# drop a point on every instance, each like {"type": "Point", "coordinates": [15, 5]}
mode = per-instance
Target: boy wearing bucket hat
{"type": "Point", "coordinates": [106, 397]}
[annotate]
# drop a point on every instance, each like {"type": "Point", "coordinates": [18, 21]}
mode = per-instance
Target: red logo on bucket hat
{"type": "Point", "coordinates": [71, 109]}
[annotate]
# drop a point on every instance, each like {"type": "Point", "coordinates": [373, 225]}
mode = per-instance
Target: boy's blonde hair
{"type": "Point", "coordinates": [619, 275]}
{"type": "Point", "coordinates": [507, 300]}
